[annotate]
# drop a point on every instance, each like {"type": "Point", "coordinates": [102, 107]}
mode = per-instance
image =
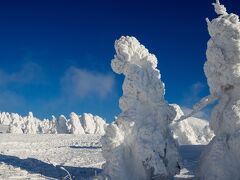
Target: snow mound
{"type": "Point", "coordinates": [191, 131]}
{"type": "Point", "coordinates": [139, 144]}
{"type": "Point", "coordinates": [76, 124]}
{"type": "Point", "coordinates": [221, 159]}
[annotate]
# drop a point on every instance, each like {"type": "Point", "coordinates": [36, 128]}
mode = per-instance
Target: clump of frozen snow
{"type": "Point", "coordinates": [139, 144]}
{"type": "Point", "coordinates": [190, 130]}
{"type": "Point", "coordinates": [221, 159]}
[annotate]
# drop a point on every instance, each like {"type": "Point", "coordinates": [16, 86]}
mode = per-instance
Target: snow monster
{"type": "Point", "coordinates": [139, 144]}
{"type": "Point", "coordinates": [221, 158]}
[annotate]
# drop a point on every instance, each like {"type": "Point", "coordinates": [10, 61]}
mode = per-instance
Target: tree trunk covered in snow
{"type": "Point", "coordinates": [139, 144]}
{"type": "Point", "coordinates": [221, 159]}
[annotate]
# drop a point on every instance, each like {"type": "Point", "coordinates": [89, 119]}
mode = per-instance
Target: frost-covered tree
{"type": "Point", "coordinates": [88, 123]}
{"type": "Point", "coordinates": [221, 159]}
{"type": "Point", "coordinates": [52, 125]}
{"type": "Point", "coordinates": [74, 124]}
{"type": "Point", "coordinates": [139, 144]}
{"type": "Point", "coordinates": [15, 126]}
{"type": "Point", "coordinates": [30, 124]}
{"type": "Point", "coordinates": [92, 124]}
{"type": "Point", "coordinates": [5, 118]}
{"type": "Point", "coordinates": [100, 125]}
{"type": "Point", "coordinates": [61, 125]}
{"type": "Point", "coordinates": [190, 130]}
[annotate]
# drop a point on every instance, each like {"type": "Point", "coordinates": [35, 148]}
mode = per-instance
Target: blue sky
{"type": "Point", "coordinates": [55, 55]}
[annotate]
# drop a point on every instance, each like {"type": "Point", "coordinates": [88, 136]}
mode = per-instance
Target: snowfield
{"type": "Point", "coordinates": [40, 156]}
{"type": "Point", "coordinates": [35, 156]}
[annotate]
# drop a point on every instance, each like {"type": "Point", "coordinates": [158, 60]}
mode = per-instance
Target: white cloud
{"type": "Point", "coordinates": [29, 73]}
{"type": "Point", "coordinates": [194, 94]}
{"type": "Point", "coordinates": [80, 83]}
{"type": "Point", "coordinates": [10, 100]}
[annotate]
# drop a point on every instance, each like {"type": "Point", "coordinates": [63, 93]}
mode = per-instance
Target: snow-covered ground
{"type": "Point", "coordinates": [34, 156]}
{"type": "Point", "coordinates": [41, 156]}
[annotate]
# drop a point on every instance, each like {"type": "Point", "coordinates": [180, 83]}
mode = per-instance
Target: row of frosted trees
{"type": "Point", "coordinates": [75, 124]}
{"type": "Point", "coordinates": [139, 144]}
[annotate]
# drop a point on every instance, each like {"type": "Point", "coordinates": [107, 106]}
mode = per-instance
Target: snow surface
{"type": "Point", "coordinates": [40, 157]}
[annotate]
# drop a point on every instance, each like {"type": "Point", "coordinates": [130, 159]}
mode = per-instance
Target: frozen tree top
{"type": "Point", "coordinates": [223, 53]}
{"type": "Point", "coordinates": [130, 51]}
{"type": "Point", "coordinates": [220, 9]}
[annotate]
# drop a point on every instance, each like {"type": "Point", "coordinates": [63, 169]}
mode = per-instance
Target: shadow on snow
{"type": "Point", "coordinates": [48, 170]}
{"type": "Point", "coordinates": [86, 147]}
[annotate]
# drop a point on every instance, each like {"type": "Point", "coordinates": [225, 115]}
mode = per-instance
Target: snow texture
{"type": "Point", "coordinates": [139, 144]}
{"type": "Point", "coordinates": [76, 124]}
{"type": "Point", "coordinates": [221, 159]}
{"type": "Point", "coordinates": [42, 156]}
{"type": "Point", "coordinates": [190, 131]}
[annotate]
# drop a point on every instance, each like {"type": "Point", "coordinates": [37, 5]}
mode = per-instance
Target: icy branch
{"type": "Point", "coordinates": [199, 106]}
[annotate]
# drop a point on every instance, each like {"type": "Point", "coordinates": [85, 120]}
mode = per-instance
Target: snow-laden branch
{"type": "Point", "coordinates": [199, 106]}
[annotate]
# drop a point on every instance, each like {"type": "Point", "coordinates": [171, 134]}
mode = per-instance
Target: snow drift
{"type": "Point", "coordinates": [139, 144]}
{"type": "Point", "coordinates": [221, 159]}
{"type": "Point", "coordinates": [76, 124]}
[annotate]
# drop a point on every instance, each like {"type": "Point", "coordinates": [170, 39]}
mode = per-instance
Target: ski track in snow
{"type": "Point", "coordinates": [40, 156]}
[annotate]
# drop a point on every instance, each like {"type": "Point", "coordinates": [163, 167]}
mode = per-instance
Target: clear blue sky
{"type": "Point", "coordinates": [55, 55]}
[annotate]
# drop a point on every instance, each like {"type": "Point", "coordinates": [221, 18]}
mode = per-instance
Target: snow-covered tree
{"type": "Point", "coordinates": [61, 125]}
{"type": "Point", "coordinates": [5, 118]}
{"type": "Point", "coordinates": [92, 124]}
{"type": "Point", "coordinates": [74, 124]}
{"type": "Point", "coordinates": [15, 126]}
{"type": "Point", "coordinates": [100, 125]}
{"type": "Point", "coordinates": [52, 125]}
{"type": "Point", "coordinates": [190, 130]}
{"type": "Point", "coordinates": [88, 123]}
{"type": "Point", "coordinates": [221, 159]}
{"type": "Point", "coordinates": [139, 144]}
{"type": "Point", "coordinates": [30, 124]}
